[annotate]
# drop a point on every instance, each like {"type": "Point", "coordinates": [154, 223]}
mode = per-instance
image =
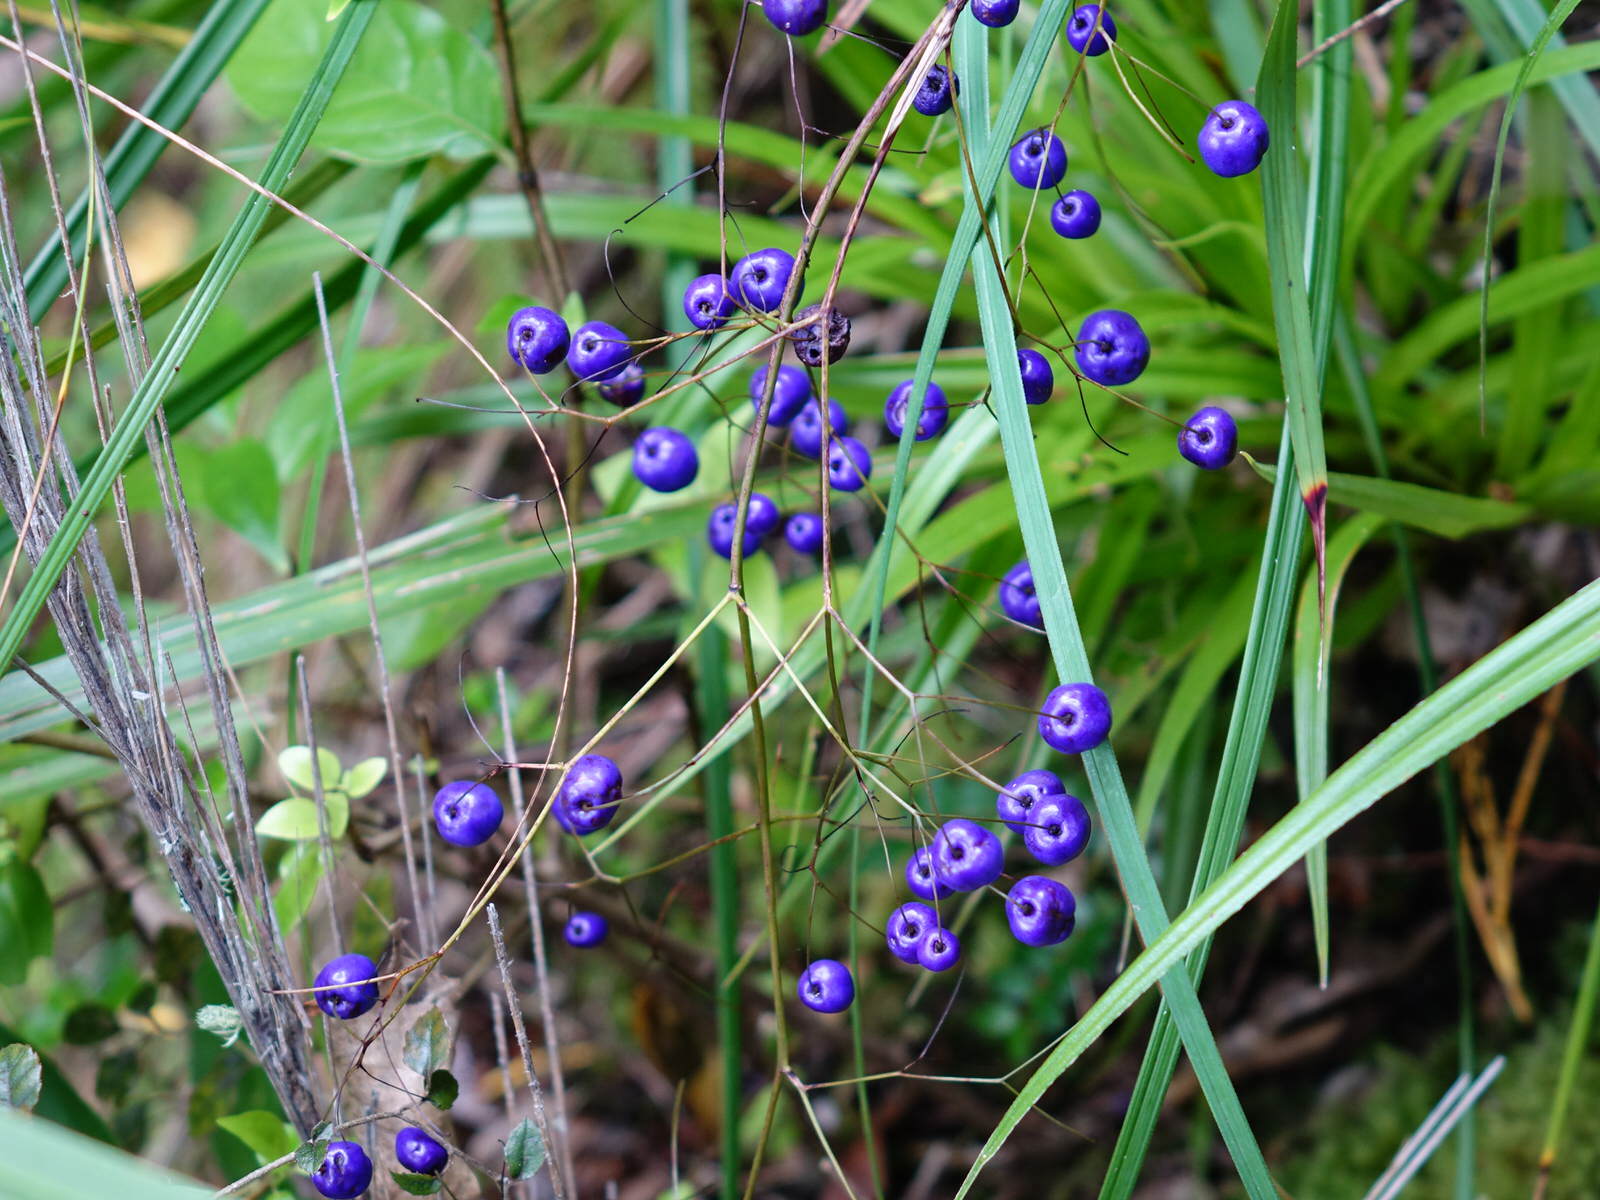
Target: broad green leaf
{"type": "Point", "coordinates": [27, 921]}
{"type": "Point", "coordinates": [1444, 513]}
{"type": "Point", "coordinates": [443, 1089]}
{"type": "Point", "coordinates": [268, 1135]}
{"type": "Point", "coordinates": [295, 819]}
{"type": "Point", "coordinates": [40, 1160]}
{"type": "Point", "coordinates": [295, 763]}
{"type": "Point", "coordinates": [417, 87]}
{"type": "Point", "coordinates": [361, 779]}
{"type": "Point", "coordinates": [238, 486]}
{"type": "Point", "coordinates": [298, 876]}
{"type": "Point", "coordinates": [525, 1151]}
{"type": "Point", "coordinates": [416, 1185]}
{"type": "Point", "coordinates": [308, 1155]}
{"type": "Point", "coordinates": [21, 1076]}
{"type": "Point", "coordinates": [427, 1046]}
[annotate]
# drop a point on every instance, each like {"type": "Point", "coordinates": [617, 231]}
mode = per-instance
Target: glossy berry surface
{"type": "Point", "coordinates": [1111, 348]}
{"type": "Point", "coordinates": [707, 302]}
{"type": "Point", "coordinates": [419, 1153]}
{"type": "Point", "coordinates": [1083, 37]}
{"type": "Point", "coordinates": [849, 464]}
{"type": "Point", "coordinates": [996, 14]}
{"type": "Point", "coordinates": [719, 532]}
{"type": "Point", "coordinates": [935, 411]}
{"type": "Point", "coordinates": [789, 393]}
{"type": "Point", "coordinates": [344, 1172]}
{"type": "Point", "coordinates": [538, 338]}
{"type": "Point", "coordinates": [1040, 911]}
{"type": "Point", "coordinates": [966, 856]}
{"type": "Point", "coordinates": [1057, 830]}
{"type": "Point", "coordinates": [905, 928]}
{"type": "Point", "coordinates": [1018, 600]}
{"type": "Point", "coordinates": [1038, 160]}
{"type": "Point", "coordinates": [826, 987]}
{"type": "Point", "coordinates": [587, 799]}
{"type": "Point", "coordinates": [1076, 717]}
{"type": "Point", "coordinates": [467, 813]}
{"type": "Point", "coordinates": [796, 17]}
{"type": "Point", "coordinates": [1016, 801]}
{"type": "Point", "coordinates": [1209, 439]}
{"type": "Point", "coordinates": [939, 949]}
{"type": "Point", "coordinates": [803, 531]}
{"type": "Point", "coordinates": [665, 460]}
{"type": "Point", "coordinates": [937, 92]}
{"type": "Point", "coordinates": [758, 279]}
{"type": "Point", "coordinates": [920, 876]}
{"type": "Point", "coordinates": [598, 352]}
{"type": "Point", "coordinates": [805, 435]}
{"type": "Point", "coordinates": [351, 990]}
{"type": "Point", "coordinates": [1234, 139]}
{"type": "Point", "coordinates": [823, 340]}
{"type": "Point", "coordinates": [1075, 215]}
{"type": "Point", "coordinates": [763, 516]}
{"type": "Point", "coordinates": [1038, 380]}
{"type": "Point", "coordinates": [625, 388]}
{"type": "Point", "coordinates": [585, 930]}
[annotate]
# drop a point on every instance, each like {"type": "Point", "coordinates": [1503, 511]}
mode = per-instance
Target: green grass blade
{"type": "Point", "coordinates": [1523, 20]}
{"type": "Point", "coordinates": [1563, 641]}
{"type": "Point", "coordinates": [129, 429]}
{"type": "Point", "coordinates": [136, 151]}
{"type": "Point", "coordinates": [1572, 1054]}
{"type": "Point", "coordinates": [32, 1151]}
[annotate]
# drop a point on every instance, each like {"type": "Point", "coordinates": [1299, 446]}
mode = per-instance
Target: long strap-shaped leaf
{"type": "Point", "coordinates": [1072, 663]}
{"type": "Point", "coordinates": [129, 430]}
{"type": "Point", "coordinates": [136, 151]}
{"type": "Point", "coordinates": [1563, 641]}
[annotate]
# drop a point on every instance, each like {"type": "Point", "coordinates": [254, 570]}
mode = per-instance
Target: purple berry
{"type": "Point", "coordinates": [1209, 438]}
{"type": "Point", "coordinates": [664, 460]}
{"type": "Point", "coordinates": [625, 389]}
{"type": "Point", "coordinates": [719, 531]}
{"type": "Point", "coordinates": [419, 1153]}
{"type": "Point", "coordinates": [939, 949]}
{"type": "Point", "coordinates": [344, 1172]}
{"type": "Point", "coordinates": [1076, 718]}
{"type": "Point", "coordinates": [537, 338]}
{"type": "Point", "coordinates": [849, 464]}
{"type": "Point", "coordinates": [1075, 215]}
{"type": "Point", "coordinates": [467, 813]}
{"type": "Point", "coordinates": [1022, 793]}
{"type": "Point", "coordinates": [1038, 160]}
{"type": "Point", "coordinates": [1057, 830]}
{"type": "Point", "coordinates": [598, 352]}
{"type": "Point", "coordinates": [803, 531]}
{"type": "Point", "coordinates": [1111, 349]}
{"type": "Point", "coordinates": [1082, 35]}
{"type": "Point", "coordinates": [905, 928]}
{"type": "Point", "coordinates": [351, 990]}
{"type": "Point", "coordinates": [1018, 600]}
{"type": "Point", "coordinates": [1040, 911]}
{"type": "Point", "coordinates": [1233, 139]}
{"type": "Point", "coordinates": [588, 797]}
{"type": "Point", "coordinates": [826, 987]}
{"type": "Point", "coordinates": [805, 435]}
{"type": "Point", "coordinates": [758, 280]}
{"type": "Point", "coordinates": [921, 878]}
{"type": "Point", "coordinates": [763, 516]}
{"type": "Point", "coordinates": [585, 930]}
{"type": "Point", "coordinates": [966, 856]}
{"type": "Point", "coordinates": [706, 302]}
{"type": "Point", "coordinates": [996, 14]}
{"type": "Point", "coordinates": [789, 394]}
{"type": "Point", "coordinates": [935, 410]}
{"type": "Point", "coordinates": [938, 90]}
{"type": "Point", "coordinates": [1038, 380]}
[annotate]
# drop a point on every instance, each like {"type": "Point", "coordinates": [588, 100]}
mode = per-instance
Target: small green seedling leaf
{"type": "Point", "coordinates": [295, 763]}
{"type": "Point", "coordinates": [295, 819]}
{"type": "Point", "coordinates": [524, 1151]}
{"type": "Point", "coordinates": [308, 1156]}
{"type": "Point", "coordinates": [427, 1045]}
{"type": "Point", "coordinates": [20, 1076]}
{"type": "Point", "coordinates": [416, 1185]}
{"type": "Point", "coordinates": [442, 1089]}
{"type": "Point", "coordinates": [360, 779]}
{"type": "Point", "coordinates": [221, 1019]}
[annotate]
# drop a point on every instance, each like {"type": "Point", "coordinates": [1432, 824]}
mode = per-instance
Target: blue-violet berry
{"type": "Point", "coordinates": [1038, 160]}
{"type": "Point", "coordinates": [996, 14]}
{"type": "Point", "coordinates": [921, 877]}
{"type": "Point", "coordinates": [826, 987]}
{"type": "Point", "coordinates": [588, 797]}
{"type": "Point", "coordinates": [1016, 801]}
{"type": "Point", "coordinates": [625, 388]}
{"type": "Point", "coordinates": [966, 856]}
{"type": "Point", "coordinates": [849, 464]}
{"type": "Point", "coordinates": [1018, 600]}
{"type": "Point", "coordinates": [935, 410]}
{"type": "Point", "coordinates": [759, 279]}
{"type": "Point", "coordinates": [598, 352]}
{"type": "Point", "coordinates": [803, 531]}
{"type": "Point", "coordinates": [1038, 380]}
{"type": "Point", "coordinates": [939, 88]}
{"type": "Point", "coordinates": [1040, 911]}
{"type": "Point", "coordinates": [344, 1172]}
{"type": "Point", "coordinates": [939, 949]}
{"type": "Point", "coordinates": [350, 987]}
{"type": "Point", "coordinates": [585, 930]}
{"type": "Point", "coordinates": [538, 338]}
{"type": "Point", "coordinates": [1111, 348]}
{"type": "Point", "coordinates": [905, 928]}
{"type": "Point", "coordinates": [805, 434]}
{"type": "Point", "coordinates": [1075, 215]}
{"type": "Point", "coordinates": [706, 302]}
{"type": "Point", "coordinates": [1234, 139]}
{"type": "Point", "coordinates": [1057, 829]}
{"type": "Point", "coordinates": [1083, 37]}
{"type": "Point", "coordinates": [467, 812]}
{"type": "Point", "coordinates": [665, 460]}
{"type": "Point", "coordinates": [1209, 438]}
{"type": "Point", "coordinates": [789, 393]}
{"type": "Point", "coordinates": [419, 1153]}
{"type": "Point", "coordinates": [1076, 718]}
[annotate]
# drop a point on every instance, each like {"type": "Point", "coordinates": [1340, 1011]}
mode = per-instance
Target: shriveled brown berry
{"type": "Point", "coordinates": [810, 347]}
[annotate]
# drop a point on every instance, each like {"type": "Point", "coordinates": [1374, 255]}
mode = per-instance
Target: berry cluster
{"type": "Point", "coordinates": [346, 1169]}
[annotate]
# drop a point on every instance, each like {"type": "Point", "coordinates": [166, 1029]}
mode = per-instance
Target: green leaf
{"type": "Point", "coordinates": [26, 920]}
{"type": "Point", "coordinates": [417, 86]}
{"type": "Point", "coordinates": [360, 779]}
{"type": "Point", "coordinates": [221, 1019]}
{"type": "Point", "coordinates": [21, 1076]}
{"type": "Point", "coordinates": [335, 7]}
{"type": "Point", "coordinates": [295, 763]}
{"type": "Point", "coordinates": [40, 1160]}
{"type": "Point", "coordinates": [299, 872]}
{"type": "Point", "coordinates": [238, 486]}
{"type": "Point", "coordinates": [427, 1046]}
{"type": "Point", "coordinates": [442, 1090]}
{"type": "Point", "coordinates": [1425, 508]}
{"type": "Point", "coordinates": [88, 1023]}
{"type": "Point", "coordinates": [295, 819]}
{"type": "Point", "coordinates": [309, 1154]}
{"type": "Point", "coordinates": [524, 1151]}
{"type": "Point", "coordinates": [416, 1185]}
{"type": "Point", "coordinates": [267, 1134]}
